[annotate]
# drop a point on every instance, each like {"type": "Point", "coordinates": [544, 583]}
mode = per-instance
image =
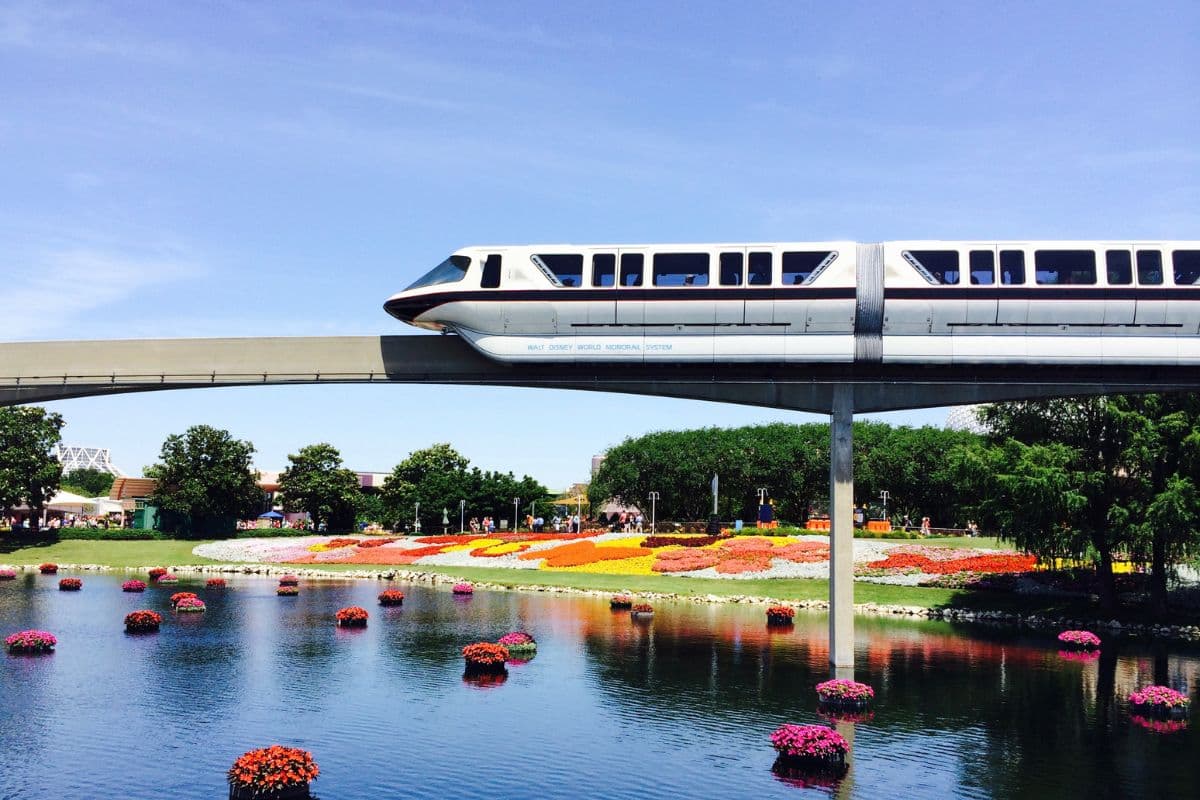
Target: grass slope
{"type": "Point", "coordinates": [105, 553]}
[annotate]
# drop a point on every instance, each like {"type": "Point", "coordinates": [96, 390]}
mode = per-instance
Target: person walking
{"type": "Point", "coordinates": [926, 528]}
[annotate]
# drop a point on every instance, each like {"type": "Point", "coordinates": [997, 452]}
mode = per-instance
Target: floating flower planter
{"type": "Point", "coordinates": [1159, 702]}
{"type": "Point", "coordinates": [157, 572]}
{"type": "Point", "coordinates": [1079, 640]}
{"type": "Point", "coordinates": [288, 591]}
{"type": "Point", "coordinates": [143, 621]}
{"type": "Point", "coordinates": [289, 580]}
{"type": "Point", "coordinates": [272, 773]}
{"type": "Point", "coordinates": [391, 597]}
{"type": "Point", "coordinates": [352, 617]}
{"type": "Point", "coordinates": [70, 585]}
{"type": "Point", "coordinates": [133, 586]}
{"type": "Point", "coordinates": [809, 748]}
{"type": "Point", "coordinates": [167, 579]}
{"type": "Point", "coordinates": [845, 695]}
{"type": "Point", "coordinates": [190, 605]}
{"type": "Point", "coordinates": [215, 583]}
{"type": "Point", "coordinates": [7, 574]}
{"type": "Point", "coordinates": [641, 612]}
{"type": "Point", "coordinates": [463, 588]}
{"type": "Point", "coordinates": [780, 615]}
{"type": "Point", "coordinates": [175, 598]}
{"type": "Point", "coordinates": [621, 602]}
{"type": "Point", "coordinates": [520, 645]}
{"type": "Point", "coordinates": [30, 642]}
{"type": "Point", "coordinates": [48, 568]}
{"type": "Point", "coordinates": [485, 657]}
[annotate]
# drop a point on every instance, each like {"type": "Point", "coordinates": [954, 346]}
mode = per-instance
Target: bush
{"type": "Point", "coordinates": [110, 534]}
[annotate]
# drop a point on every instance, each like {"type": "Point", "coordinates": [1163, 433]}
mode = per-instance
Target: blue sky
{"type": "Point", "coordinates": [221, 169]}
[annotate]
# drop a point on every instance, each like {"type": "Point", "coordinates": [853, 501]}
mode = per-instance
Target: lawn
{"type": "Point", "coordinates": [149, 553]}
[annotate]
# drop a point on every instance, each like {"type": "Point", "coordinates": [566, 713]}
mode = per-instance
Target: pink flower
{"type": "Point", "coordinates": [809, 741]}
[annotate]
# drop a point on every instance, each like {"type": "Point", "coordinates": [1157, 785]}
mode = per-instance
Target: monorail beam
{"type": "Point", "coordinates": [841, 532]}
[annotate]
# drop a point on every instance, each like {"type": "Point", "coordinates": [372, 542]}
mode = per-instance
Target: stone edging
{"type": "Point", "coordinates": [1001, 618]}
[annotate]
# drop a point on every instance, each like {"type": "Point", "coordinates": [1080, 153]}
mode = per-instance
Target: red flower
{"type": "Point", "coordinates": [175, 598]}
{"type": "Point", "coordinates": [215, 583]}
{"type": "Point", "coordinates": [391, 597]}
{"type": "Point", "coordinates": [273, 768]}
{"type": "Point", "coordinates": [70, 585]}
{"type": "Point", "coordinates": [485, 654]}
{"type": "Point", "coordinates": [352, 617]}
{"type": "Point", "coordinates": [142, 621]}
{"type": "Point", "coordinates": [48, 568]}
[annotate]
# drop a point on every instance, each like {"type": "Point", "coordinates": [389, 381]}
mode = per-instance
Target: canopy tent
{"type": "Point", "coordinates": [271, 515]}
{"type": "Point", "coordinates": [107, 506]}
{"type": "Point", "coordinates": [69, 501]}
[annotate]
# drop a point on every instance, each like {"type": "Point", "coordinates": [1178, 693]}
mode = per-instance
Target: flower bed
{"type": "Point", "coordinates": [166, 579]}
{"type": "Point", "coordinates": [47, 568]}
{"type": "Point", "coordinates": [518, 643]}
{"type": "Point", "coordinates": [1081, 640]}
{"type": "Point", "coordinates": [463, 588]}
{"type": "Point", "coordinates": [780, 615]}
{"type": "Point", "coordinates": [142, 621]}
{"type": "Point", "coordinates": [682, 541]}
{"type": "Point", "coordinates": [272, 772]}
{"type": "Point", "coordinates": [810, 746]}
{"type": "Point", "coordinates": [215, 583]}
{"type": "Point", "coordinates": [391, 597]}
{"type": "Point", "coordinates": [485, 657]}
{"type": "Point", "coordinates": [7, 574]}
{"type": "Point", "coordinates": [369, 543]}
{"type": "Point", "coordinates": [133, 586]}
{"type": "Point", "coordinates": [157, 572]}
{"type": "Point", "coordinates": [621, 601]}
{"type": "Point", "coordinates": [287, 591]}
{"type": "Point", "coordinates": [30, 642]}
{"type": "Point", "coordinates": [845, 694]}
{"type": "Point", "coordinates": [175, 598]}
{"type": "Point", "coordinates": [921, 560]}
{"type": "Point", "coordinates": [289, 580]}
{"type": "Point", "coordinates": [352, 617]}
{"type": "Point", "coordinates": [190, 605]}
{"type": "Point", "coordinates": [70, 585]}
{"type": "Point", "coordinates": [1160, 702]}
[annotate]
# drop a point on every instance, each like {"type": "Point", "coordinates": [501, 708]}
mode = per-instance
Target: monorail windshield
{"type": "Point", "coordinates": [452, 270]}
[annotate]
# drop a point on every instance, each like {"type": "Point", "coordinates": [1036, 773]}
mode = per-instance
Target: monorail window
{"type": "Point", "coordinates": [452, 270]}
{"type": "Point", "coordinates": [565, 269]}
{"type": "Point", "coordinates": [937, 266]}
{"type": "Point", "coordinates": [491, 272]}
{"type": "Point", "coordinates": [1150, 271]}
{"type": "Point", "coordinates": [631, 269]}
{"type": "Point", "coordinates": [803, 267]}
{"type": "Point", "coordinates": [1065, 267]}
{"type": "Point", "coordinates": [1187, 267]}
{"type": "Point", "coordinates": [1012, 267]}
{"type": "Point", "coordinates": [760, 270]}
{"type": "Point", "coordinates": [1120, 267]}
{"type": "Point", "coordinates": [681, 269]}
{"type": "Point", "coordinates": [731, 269]}
{"type": "Point", "coordinates": [982, 265]}
{"type": "Point", "coordinates": [604, 269]}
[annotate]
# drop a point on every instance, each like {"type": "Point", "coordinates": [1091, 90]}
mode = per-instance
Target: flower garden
{"type": "Point", "coordinates": [624, 554]}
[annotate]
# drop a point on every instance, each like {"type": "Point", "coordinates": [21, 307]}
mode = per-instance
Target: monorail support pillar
{"type": "Point", "coordinates": [841, 532]}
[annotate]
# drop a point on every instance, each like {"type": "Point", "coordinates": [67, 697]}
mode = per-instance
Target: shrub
{"type": "Point", "coordinates": [352, 617]}
{"type": "Point", "coordinates": [288, 591]}
{"type": "Point", "coordinates": [682, 541]}
{"type": "Point", "coordinates": [48, 568]}
{"type": "Point", "coordinates": [215, 583]}
{"type": "Point", "coordinates": [485, 656]}
{"type": "Point", "coordinates": [175, 598]}
{"type": "Point", "coordinates": [191, 605]}
{"type": "Point", "coordinates": [142, 621]}
{"type": "Point", "coordinates": [133, 586]}
{"type": "Point", "coordinates": [289, 580]}
{"type": "Point", "coordinates": [30, 642]}
{"type": "Point", "coordinates": [463, 588]}
{"type": "Point", "coordinates": [70, 585]}
{"type": "Point", "coordinates": [273, 769]}
{"type": "Point", "coordinates": [391, 597]}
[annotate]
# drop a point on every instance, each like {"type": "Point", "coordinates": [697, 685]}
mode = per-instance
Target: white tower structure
{"type": "Point", "coordinates": [965, 418]}
{"type": "Point", "coordinates": [74, 457]}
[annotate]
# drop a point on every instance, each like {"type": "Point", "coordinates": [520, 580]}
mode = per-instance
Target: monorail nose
{"type": "Point", "coordinates": [407, 309]}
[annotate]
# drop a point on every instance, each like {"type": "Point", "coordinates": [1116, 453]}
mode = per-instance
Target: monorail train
{"type": "Point", "coordinates": [935, 302]}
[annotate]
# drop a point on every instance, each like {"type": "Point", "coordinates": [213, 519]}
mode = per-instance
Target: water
{"type": "Point", "coordinates": [681, 707]}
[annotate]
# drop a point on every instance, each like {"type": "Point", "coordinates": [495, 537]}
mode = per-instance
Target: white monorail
{"type": "Point", "coordinates": [935, 302]}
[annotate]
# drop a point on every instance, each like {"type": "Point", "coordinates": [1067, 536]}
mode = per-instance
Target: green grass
{"type": "Point", "coordinates": [105, 553]}
{"type": "Point", "coordinates": [984, 542]}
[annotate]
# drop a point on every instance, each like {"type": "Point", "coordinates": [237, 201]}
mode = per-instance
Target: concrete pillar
{"type": "Point", "coordinates": [841, 532]}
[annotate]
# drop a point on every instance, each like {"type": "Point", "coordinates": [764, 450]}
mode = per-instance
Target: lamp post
{"type": "Point", "coordinates": [653, 510]}
{"type": "Point", "coordinates": [417, 516]}
{"type": "Point", "coordinates": [884, 495]}
{"type": "Point", "coordinates": [516, 511]}
{"type": "Point", "coordinates": [462, 511]}
{"type": "Point", "coordinates": [579, 511]}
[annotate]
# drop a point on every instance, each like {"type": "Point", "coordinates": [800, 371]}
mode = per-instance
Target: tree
{"type": "Point", "coordinates": [205, 474]}
{"type": "Point", "coordinates": [316, 482]}
{"type": "Point", "coordinates": [29, 472]}
{"type": "Point", "coordinates": [90, 482]}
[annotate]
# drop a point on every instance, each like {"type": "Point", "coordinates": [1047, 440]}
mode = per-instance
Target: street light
{"type": "Point", "coordinates": [579, 511]}
{"type": "Point", "coordinates": [462, 510]}
{"type": "Point", "coordinates": [653, 510]}
{"type": "Point", "coordinates": [417, 516]}
{"type": "Point", "coordinates": [884, 495]}
{"type": "Point", "coordinates": [516, 506]}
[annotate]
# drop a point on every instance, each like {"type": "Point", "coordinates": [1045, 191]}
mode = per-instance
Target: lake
{"type": "Point", "coordinates": [680, 707]}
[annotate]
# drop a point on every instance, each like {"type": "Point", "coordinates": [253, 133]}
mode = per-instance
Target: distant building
{"type": "Point", "coordinates": [74, 457]}
{"type": "Point", "coordinates": [965, 418]}
{"type": "Point", "coordinates": [596, 462]}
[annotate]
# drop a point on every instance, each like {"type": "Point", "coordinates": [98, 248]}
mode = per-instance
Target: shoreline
{"type": "Point", "coordinates": [1043, 622]}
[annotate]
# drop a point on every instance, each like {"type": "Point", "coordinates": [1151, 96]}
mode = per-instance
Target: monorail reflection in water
{"type": "Point", "coordinates": [681, 706]}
